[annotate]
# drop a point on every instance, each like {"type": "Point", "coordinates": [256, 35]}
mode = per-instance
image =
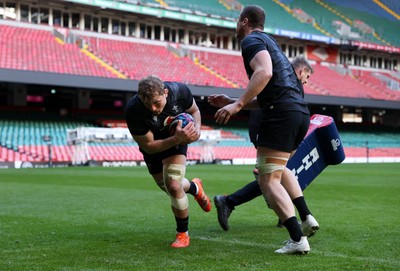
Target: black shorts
{"type": "Point", "coordinates": [255, 117]}
{"type": "Point", "coordinates": [282, 130]}
{"type": "Point", "coordinates": [154, 161]}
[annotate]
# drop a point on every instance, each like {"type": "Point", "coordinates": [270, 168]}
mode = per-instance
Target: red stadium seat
{"type": "Point", "coordinates": [38, 50]}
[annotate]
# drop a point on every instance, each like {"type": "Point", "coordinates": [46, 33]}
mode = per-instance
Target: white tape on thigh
{"type": "Point", "coordinates": [176, 172]}
{"type": "Point", "coordinates": [269, 164]}
{"type": "Point", "coordinates": [173, 171]}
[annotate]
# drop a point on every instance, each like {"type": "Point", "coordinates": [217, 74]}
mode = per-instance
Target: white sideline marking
{"type": "Point", "coordinates": [272, 246]}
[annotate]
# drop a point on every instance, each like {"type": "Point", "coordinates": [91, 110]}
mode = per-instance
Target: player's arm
{"type": "Point", "coordinates": [181, 136]}
{"type": "Point", "coordinates": [195, 112]}
{"type": "Point", "coordinates": [261, 64]}
{"type": "Point", "coordinates": [253, 104]}
{"type": "Point", "coordinates": [220, 100]}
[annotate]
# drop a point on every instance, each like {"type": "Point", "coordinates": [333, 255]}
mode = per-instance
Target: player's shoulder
{"type": "Point", "coordinates": [258, 38]}
{"type": "Point", "coordinates": [255, 36]}
{"type": "Point", "coordinates": [177, 91]}
{"type": "Point", "coordinates": [132, 102]}
{"type": "Point", "coordinates": [134, 106]}
{"type": "Point", "coordinates": [176, 86]}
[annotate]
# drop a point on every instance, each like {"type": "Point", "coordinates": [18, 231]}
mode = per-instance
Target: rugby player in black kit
{"type": "Point", "coordinates": [165, 154]}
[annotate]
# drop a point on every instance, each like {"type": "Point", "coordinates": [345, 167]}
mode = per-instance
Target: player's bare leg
{"type": "Point", "coordinates": [173, 175]}
{"type": "Point", "coordinates": [309, 224]}
{"type": "Point", "coordinates": [271, 165]}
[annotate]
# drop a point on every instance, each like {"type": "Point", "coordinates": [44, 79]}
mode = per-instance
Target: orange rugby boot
{"type": "Point", "coordinates": [182, 240]}
{"type": "Point", "coordinates": [201, 197]}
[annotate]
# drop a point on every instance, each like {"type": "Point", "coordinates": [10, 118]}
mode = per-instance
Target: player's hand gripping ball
{"type": "Point", "coordinates": [172, 121]}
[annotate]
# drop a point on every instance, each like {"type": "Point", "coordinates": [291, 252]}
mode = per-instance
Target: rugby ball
{"type": "Point", "coordinates": [172, 121]}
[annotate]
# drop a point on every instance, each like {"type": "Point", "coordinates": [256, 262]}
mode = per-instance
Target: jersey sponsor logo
{"type": "Point", "coordinates": [307, 162]}
{"type": "Point", "coordinates": [335, 143]}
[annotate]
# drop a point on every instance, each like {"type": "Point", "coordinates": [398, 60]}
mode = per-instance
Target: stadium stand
{"type": "Point", "coordinates": [26, 47]}
{"type": "Point", "coordinates": [133, 59]}
{"type": "Point", "coordinates": [371, 80]}
{"type": "Point", "coordinates": [278, 16]}
{"type": "Point", "coordinates": [22, 132]}
{"type": "Point", "coordinates": [325, 79]}
{"type": "Point", "coordinates": [371, 7]}
{"type": "Point", "coordinates": [206, 6]}
{"type": "Point", "coordinates": [384, 24]}
{"type": "Point", "coordinates": [230, 68]}
{"type": "Point", "coordinates": [326, 17]}
{"type": "Point", "coordinates": [31, 49]}
{"type": "Point", "coordinates": [393, 5]}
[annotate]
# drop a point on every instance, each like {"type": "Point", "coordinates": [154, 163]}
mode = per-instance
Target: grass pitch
{"type": "Point", "coordinates": [117, 219]}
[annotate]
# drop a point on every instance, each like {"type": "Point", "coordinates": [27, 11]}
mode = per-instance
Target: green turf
{"type": "Point", "coordinates": [117, 219]}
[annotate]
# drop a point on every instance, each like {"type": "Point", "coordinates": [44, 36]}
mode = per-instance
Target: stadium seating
{"type": "Point", "coordinates": [38, 50]}
{"type": "Point", "coordinates": [35, 49]}
{"type": "Point", "coordinates": [205, 6]}
{"type": "Point", "coordinates": [133, 59]}
{"type": "Point", "coordinates": [21, 139]}
{"type": "Point", "coordinates": [115, 153]}
{"type": "Point", "coordinates": [22, 135]}
{"type": "Point", "coordinates": [278, 17]}
{"type": "Point", "coordinates": [369, 7]}
{"type": "Point", "coordinates": [366, 78]}
{"type": "Point", "coordinates": [322, 82]}
{"type": "Point", "coordinates": [393, 5]}
{"type": "Point", "coordinates": [384, 24]}
{"type": "Point", "coordinates": [325, 18]}
{"type": "Point", "coordinates": [375, 154]}
{"type": "Point", "coordinates": [374, 138]}
{"type": "Point", "coordinates": [326, 80]}
{"type": "Point", "coordinates": [229, 66]}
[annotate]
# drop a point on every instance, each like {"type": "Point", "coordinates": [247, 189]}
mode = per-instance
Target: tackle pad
{"type": "Point", "coordinates": [320, 147]}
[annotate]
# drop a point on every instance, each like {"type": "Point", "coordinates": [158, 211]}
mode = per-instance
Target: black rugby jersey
{"type": "Point", "coordinates": [140, 119]}
{"type": "Point", "coordinates": [284, 91]}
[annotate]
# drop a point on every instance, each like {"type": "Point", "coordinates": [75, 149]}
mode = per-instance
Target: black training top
{"type": "Point", "coordinates": [284, 91]}
{"type": "Point", "coordinates": [140, 119]}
